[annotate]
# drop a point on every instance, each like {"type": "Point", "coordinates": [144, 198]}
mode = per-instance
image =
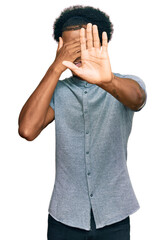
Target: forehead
{"type": "Point", "coordinates": [71, 33]}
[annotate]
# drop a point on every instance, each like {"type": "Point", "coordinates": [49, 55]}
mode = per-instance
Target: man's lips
{"type": "Point", "coordinates": [78, 63]}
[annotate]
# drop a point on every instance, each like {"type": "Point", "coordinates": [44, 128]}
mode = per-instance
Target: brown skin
{"type": "Point", "coordinates": [36, 113]}
{"type": "Point", "coordinates": [95, 68]}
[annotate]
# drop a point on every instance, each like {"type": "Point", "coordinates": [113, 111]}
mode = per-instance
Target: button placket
{"type": "Point", "coordinates": [87, 138]}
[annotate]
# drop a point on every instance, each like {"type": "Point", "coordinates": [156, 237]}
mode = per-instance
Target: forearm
{"type": "Point", "coordinates": [34, 111]}
{"type": "Point", "coordinates": [126, 90]}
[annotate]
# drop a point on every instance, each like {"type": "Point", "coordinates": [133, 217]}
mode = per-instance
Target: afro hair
{"type": "Point", "coordinates": [81, 15]}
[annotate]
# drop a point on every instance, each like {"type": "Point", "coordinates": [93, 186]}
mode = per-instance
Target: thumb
{"type": "Point", "coordinates": [60, 43]}
{"type": "Point", "coordinates": [72, 67]}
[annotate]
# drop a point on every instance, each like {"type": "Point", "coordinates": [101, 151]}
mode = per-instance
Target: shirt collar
{"type": "Point", "coordinates": [79, 82]}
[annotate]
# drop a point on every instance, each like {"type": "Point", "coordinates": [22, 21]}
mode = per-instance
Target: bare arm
{"type": "Point", "coordinates": [33, 114]}
{"type": "Point", "coordinates": [126, 91]}
{"type": "Point", "coordinates": [36, 113]}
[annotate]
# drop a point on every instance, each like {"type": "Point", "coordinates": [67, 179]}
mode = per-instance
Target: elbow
{"type": "Point", "coordinates": [25, 133]}
{"type": "Point", "coordinates": [139, 100]}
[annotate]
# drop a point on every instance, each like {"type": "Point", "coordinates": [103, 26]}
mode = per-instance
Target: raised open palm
{"type": "Point", "coordinates": [95, 61]}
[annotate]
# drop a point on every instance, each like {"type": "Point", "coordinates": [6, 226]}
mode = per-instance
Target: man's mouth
{"type": "Point", "coordinates": [77, 62]}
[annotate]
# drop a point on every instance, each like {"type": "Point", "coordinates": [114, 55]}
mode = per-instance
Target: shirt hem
{"type": "Point", "coordinates": [114, 220]}
{"type": "Point", "coordinates": [117, 219]}
{"type": "Point", "coordinates": [51, 212]}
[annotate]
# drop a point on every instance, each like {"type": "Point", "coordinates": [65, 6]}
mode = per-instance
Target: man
{"type": "Point", "coordinates": [93, 110]}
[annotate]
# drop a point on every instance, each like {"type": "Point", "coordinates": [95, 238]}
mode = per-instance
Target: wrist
{"type": "Point", "coordinates": [57, 69]}
{"type": "Point", "coordinates": [109, 82]}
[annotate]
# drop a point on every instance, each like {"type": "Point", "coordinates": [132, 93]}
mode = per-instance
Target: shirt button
{"type": "Point", "coordinates": [85, 92]}
{"type": "Point", "coordinates": [87, 152]}
{"type": "Point", "coordinates": [91, 195]}
{"type": "Point", "coordinates": [87, 132]}
{"type": "Point", "coordinates": [89, 173]}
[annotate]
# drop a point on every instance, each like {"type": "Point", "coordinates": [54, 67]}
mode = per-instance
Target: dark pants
{"type": "Point", "coordinates": [116, 231]}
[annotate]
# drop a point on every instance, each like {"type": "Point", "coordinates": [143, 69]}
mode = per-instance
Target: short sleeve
{"type": "Point", "coordinates": [52, 102]}
{"type": "Point", "coordinates": [139, 81]}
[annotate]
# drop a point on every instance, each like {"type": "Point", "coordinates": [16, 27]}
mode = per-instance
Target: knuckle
{"type": "Point", "coordinates": [64, 47]}
{"type": "Point", "coordinates": [69, 51]}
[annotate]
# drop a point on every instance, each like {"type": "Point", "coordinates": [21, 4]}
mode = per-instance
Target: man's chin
{"type": "Point", "coordinates": [75, 75]}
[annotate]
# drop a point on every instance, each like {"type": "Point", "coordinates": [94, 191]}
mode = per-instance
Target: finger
{"type": "Point", "coordinates": [76, 55]}
{"type": "Point", "coordinates": [104, 41]}
{"type": "Point", "coordinates": [71, 66]}
{"type": "Point", "coordinates": [89, 36]}
{"type": "Point", "coordinates": [75, 45]}
{"type": "Point", "coordinates": [60, 43]}
{"type": "Point", "coordinates": [75, 49]}
{"type": "Point", "coordinates": [75, 41]}
{"type": "Point", "coordinates": [96, 39]}
{"type": "Point", "coordinates": [82, 39]}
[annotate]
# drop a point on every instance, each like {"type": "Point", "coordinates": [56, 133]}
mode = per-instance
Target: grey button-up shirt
{"type": "Point", "coordinates": [92, 129]}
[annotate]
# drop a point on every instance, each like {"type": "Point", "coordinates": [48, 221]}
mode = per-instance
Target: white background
{"type": "Point", "coordinates": [27, 169]}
